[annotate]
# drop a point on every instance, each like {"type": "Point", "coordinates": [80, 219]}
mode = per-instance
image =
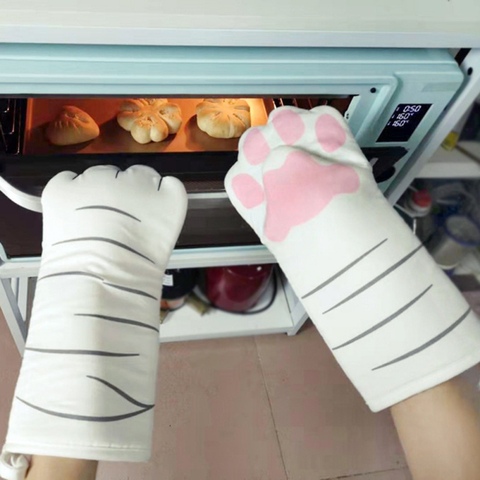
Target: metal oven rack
{"type": "Point", "coordinates": [11, 114]}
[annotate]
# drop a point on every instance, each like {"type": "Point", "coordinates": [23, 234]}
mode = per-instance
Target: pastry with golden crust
{"type": "Point", "coordinates": [149, 119]}
{"type": "Point", "coordinates": [72, 126]}
{"type": "Point", "coordinates": [223, 117]}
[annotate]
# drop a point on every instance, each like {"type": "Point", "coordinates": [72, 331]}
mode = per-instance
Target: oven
{"type": "Point", "coordinates": [390, 98]}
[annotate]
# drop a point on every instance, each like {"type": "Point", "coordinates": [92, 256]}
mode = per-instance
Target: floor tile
{"type": "Point", "coordinates": [470, 383]}
{"type": "Point", "coordinates": [9, 368]}
{"type": "Point", "coordinates": [213, 419]}
{"type": "Point", "coordinates": [325, 429]}
{"type": "Point", "coordinates": [400, 474]}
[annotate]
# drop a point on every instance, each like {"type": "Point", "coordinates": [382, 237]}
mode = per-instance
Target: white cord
{"type": "Point", "coordinates": [25, 200]}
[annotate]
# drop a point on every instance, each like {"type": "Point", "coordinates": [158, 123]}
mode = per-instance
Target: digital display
{"type": "Point", "coordinates": [403, 122]}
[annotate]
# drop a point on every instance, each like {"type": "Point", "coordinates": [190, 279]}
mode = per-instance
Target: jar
{"type": "Point", "coordinates": [239, 288]}
{"type": "Point", "coordinates": [177, 284]}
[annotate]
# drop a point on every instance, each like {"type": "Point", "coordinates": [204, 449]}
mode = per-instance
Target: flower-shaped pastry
{"type": "Point", "coordinates": [149, 119]}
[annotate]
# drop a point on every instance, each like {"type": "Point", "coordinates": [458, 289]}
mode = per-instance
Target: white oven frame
{"type": "Point", "coordinates": [16, 274]}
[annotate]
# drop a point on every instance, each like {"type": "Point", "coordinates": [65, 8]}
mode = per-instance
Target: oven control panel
{"type": "Point", "coordinates": [403, 122]}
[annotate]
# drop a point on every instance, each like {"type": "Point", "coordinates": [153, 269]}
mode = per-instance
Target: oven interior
{"type": "Point", "coordinates": [28, 160]}
{"type": "Point", "coordinates": [198, 159]}
{"type": "Point", "coordinates": [23, 121]}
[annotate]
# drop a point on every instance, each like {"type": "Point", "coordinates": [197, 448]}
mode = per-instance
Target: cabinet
{"type": "Point", "coordinates": [271, 23]}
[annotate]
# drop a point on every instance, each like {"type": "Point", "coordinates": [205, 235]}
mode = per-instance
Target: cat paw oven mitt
{"type": "Point", "coordinates": [392, 318]}
{"type": "Point", "coordinates": [87, 382]}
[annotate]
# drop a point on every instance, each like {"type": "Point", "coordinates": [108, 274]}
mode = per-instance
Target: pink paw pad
{"type": "Point", "coordinates": [330, 134]}
{"type": "Point", "coordinates": [289, 126]}
{"type": "Point", "coordinates": [247, 190]}
{"type": "Point", "coordinates": [299, 190]}
{"type": "Point", "coordinates": [255, 147]}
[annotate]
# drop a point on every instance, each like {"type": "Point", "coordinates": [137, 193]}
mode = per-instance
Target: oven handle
{"type": "Point", "coordinates": [25, 200]}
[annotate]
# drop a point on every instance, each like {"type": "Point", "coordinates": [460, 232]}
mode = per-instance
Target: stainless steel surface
{"type": "Point", "coordinates": [206, 186]}
{"type": "Point", "coordinates": [3, 140]}
{"type": "Point", "coordinates": [9, 125]}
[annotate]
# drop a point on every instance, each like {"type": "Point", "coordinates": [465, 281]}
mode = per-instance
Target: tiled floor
{"type": "Point", "coordinates": [9, 367]}
{"type": "Point", "coordinates": [265, 408]}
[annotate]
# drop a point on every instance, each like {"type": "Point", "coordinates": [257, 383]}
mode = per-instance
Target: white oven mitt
{"type": "Point", "coordinates": [394, 321]}
{"type": "Point", "coordinates": [87, 383]}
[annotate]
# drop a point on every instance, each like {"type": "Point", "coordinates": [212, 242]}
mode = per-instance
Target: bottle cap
{"type": "Point", "coordinates": [420, 202]}
{"type": "Point", "coordinates": [422, 198]}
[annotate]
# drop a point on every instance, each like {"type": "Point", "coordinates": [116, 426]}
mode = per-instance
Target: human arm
{"type": "Point", "coordinates": [440, 433]}
{"type": "Point", "coordinates": [58, 468]}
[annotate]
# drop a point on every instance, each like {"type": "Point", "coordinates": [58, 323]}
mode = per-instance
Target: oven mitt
{"type": "Point", "coordinates": [394, 321]}
{"type": "Point", "coordinates": [87, 383]}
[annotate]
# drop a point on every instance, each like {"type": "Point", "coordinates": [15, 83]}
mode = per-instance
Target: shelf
{"type": "Point", "coordinates": [220, 256]}
{"type": "Point", "coordinates": [187, 324]}
{"type": "Point", "coordinates": [470, 265]}
{"type": "Point", "coordinates": [470, 148]}
{"type": "Point", "coordinates": [453, 164]}
{"type": "Point", "coordinates": [180, 258]}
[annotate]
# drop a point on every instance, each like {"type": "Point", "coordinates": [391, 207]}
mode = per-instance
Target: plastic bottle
{"type": "Point", "coordinates": [418, 206]}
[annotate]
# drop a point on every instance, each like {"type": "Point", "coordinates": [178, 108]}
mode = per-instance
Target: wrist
{"type": "Point", "coordinates": [57, 468]}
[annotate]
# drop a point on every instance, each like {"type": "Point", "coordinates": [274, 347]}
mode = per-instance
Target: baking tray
{"type": "Point", "coordinates": [113, 139]}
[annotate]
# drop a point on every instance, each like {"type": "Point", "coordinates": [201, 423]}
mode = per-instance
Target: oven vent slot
{"type": "Point", "coordinates": [10, 125]}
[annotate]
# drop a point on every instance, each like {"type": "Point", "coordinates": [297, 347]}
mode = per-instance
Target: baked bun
{"type": "Point", "coordinates": [150, 119]}
{"type": "Point", "coordinates": [223, 117]}
{"type": "Point", "coordinates": [72, 126]}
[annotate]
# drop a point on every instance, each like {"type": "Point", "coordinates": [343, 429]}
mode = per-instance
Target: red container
{"type": "Point", "coordinates": [237, 289]}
